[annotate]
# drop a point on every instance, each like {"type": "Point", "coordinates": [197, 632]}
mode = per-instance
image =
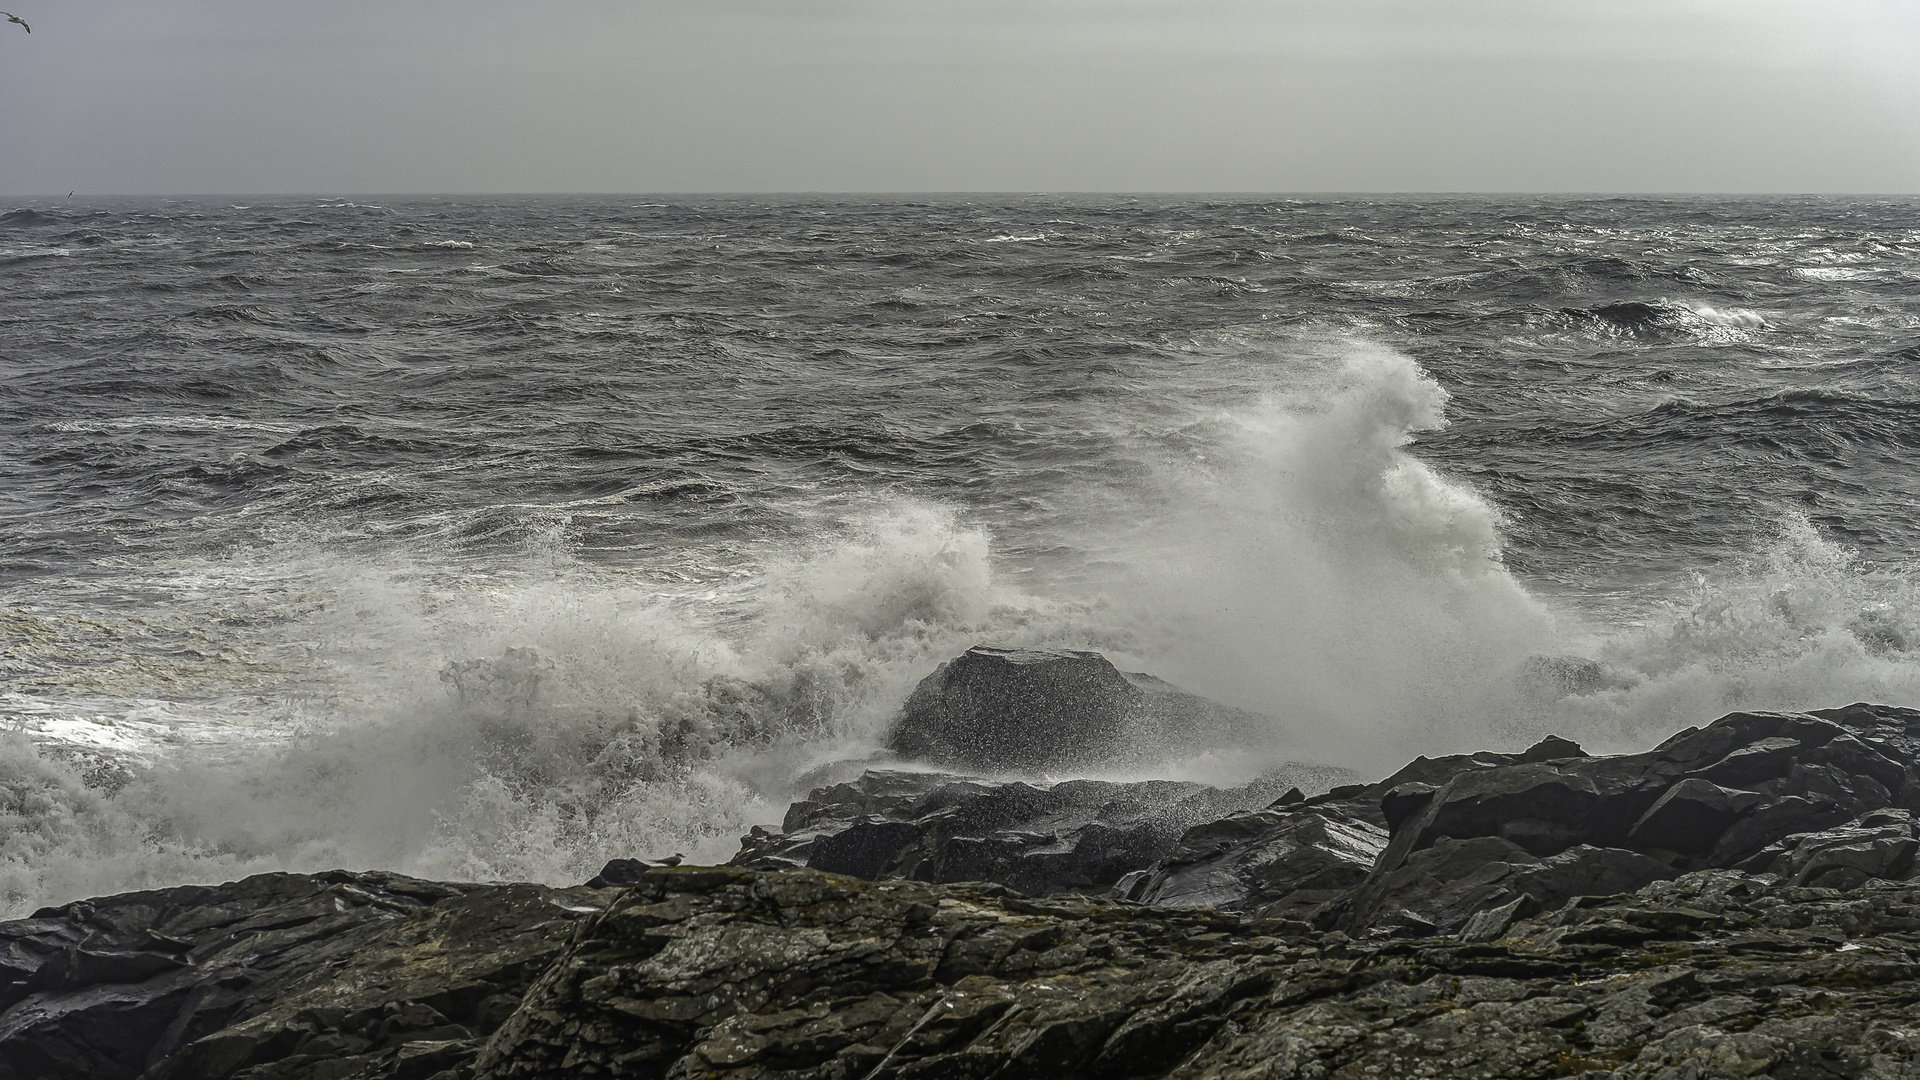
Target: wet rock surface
{"type": "Point", "coordinates": [731, 972]}
{"type": "Point", "coordinates": [281, 975]}
{"type": "Point", "coordinates": [998, 709]}
{"type": "Point", "coordinates": [1740, 901]}
{"type": "Point", "coordinates": [1736, 794]}
{"type": "Point", "coordinates": [1301, 857]}
{"type": "Point", "coordinates": [1037, 838]}
{"type": "Point", "coordinates": [734, 973]}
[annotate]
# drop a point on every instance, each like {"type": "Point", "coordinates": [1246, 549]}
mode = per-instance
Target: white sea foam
{"type": "Point", "coordinates": [168, 423]}
{"type": "Point", "coordinates": [531, 721]}
{"type": "Point", "coordinates": [1317, 571]}
{"type": "Point", "coordinates": [1736, 318]}
{"type": "Point", "coordinates": [528, 725]}
{"type": "Point", "coordinates": [1835, 273]}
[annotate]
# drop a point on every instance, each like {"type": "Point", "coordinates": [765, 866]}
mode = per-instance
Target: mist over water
{"type": "Point", "coordinates": [333, 542]}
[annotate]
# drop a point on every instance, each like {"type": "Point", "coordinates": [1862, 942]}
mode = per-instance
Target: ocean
{"type": "Point", "coordinates": [491, 538]}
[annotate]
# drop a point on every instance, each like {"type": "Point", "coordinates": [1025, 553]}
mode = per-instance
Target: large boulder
{"type": "Point", "coordinates": [1072, 836]}
{"type": "Point", "coordinates": [1040, 710]}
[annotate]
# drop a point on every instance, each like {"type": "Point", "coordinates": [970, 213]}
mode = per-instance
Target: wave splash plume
{"type": "Point", "coordinates": [665, 508]}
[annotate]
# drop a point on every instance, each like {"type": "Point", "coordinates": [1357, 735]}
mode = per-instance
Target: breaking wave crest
{"type": "Point", "coordinates": [533, 721]}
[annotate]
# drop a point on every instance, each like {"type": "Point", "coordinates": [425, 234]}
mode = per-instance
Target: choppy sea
{"type": "Point", "coordinates": [492, 538]}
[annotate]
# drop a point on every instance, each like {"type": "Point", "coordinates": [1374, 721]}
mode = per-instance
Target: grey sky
{"type": "Point", "coordinates": [162, 96]}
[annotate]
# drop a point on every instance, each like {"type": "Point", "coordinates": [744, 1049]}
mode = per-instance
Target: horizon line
{"type": "Point", "coordinates": [979, 193]}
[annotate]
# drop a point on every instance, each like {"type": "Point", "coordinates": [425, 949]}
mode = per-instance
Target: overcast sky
{"type": "Point", "coordinates": [260, 96]}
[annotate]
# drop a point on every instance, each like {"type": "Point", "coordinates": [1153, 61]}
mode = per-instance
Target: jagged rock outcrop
{"type": "Point", "coordinates": [797, 975]}
{"type": "Point", "coordinates": [1723, 796]}
{"type": "Point", "coordinates": [278, 976]}
{"type": "Point", "coordinates": [736, 974]}
{"type": "Point", "coordinates": [1074, 836]}
{"type": "Point", "coordinates": [1035, 710]}
{"type": "Point", "coordinates": [1296, 858]}
{"type": "Point", "coordinates": [1740, 901]}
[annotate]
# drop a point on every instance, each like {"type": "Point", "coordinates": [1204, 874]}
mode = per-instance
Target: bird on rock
{"type": "Point", "coordinates": [671, 860]}
{"type": "Point", "coordinates": [15, 18]}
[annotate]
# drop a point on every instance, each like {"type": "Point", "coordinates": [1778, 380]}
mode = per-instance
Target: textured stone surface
{"type": "Point", "coordinates": [1301, 858]}
{"type": "Point", "coordinates": [281, 975]}
{"type": "Point", "coordinates": [1727, 795]}
{"type": "Point", "coordinates": [738, 974]}
{"type": "Point", "coordinates": [997, 709]}
{"type": "Point", "coordinates": [1074, 836]}
{"type": "Point", "coordinates": [1737, 902]}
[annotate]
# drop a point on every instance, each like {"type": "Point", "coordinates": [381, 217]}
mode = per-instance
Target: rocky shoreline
{"type": "Point", "coordinates": [1739, 901]}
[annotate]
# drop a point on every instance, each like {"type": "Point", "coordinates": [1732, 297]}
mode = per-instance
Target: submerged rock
{"type": "Point", "coordinates": [1030, 710]}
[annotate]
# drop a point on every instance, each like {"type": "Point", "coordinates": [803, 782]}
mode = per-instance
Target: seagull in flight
{"type": "Point", "coordinates": [15, 18]}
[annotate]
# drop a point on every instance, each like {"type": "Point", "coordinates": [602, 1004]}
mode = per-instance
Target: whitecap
{"type": "Point", "coordinates": [1731, 317]}
{"type": "Point", "coordinates": [167, 423]}
{"type": "Point", "coordinates": [1834, 273]}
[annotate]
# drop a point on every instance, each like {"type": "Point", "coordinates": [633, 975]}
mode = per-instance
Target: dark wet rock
{"type": "Point", "coordinates": [1446, 884]}
{"type": "Point", "coordinates": [1284, 861]}
{"type": "Point", "coordinates": [1301, 859]}
{"type": "Point", "coordinates": [1074, 836]}
{"type": "Point", "coordinates": [281, 975]}
{"type": "Point", "coordinates": [1877, 845]}
{"type": "Point", "coordinates": [1553, 828]}
{"type": "Point", "coordinates": [1030, 710]}
{"type": "Point", "coordinates": [1553, 748]}
{"type": "Point", "coordinates": [1490, 923]}
{"type": "Point", "coordinates": [1691, 816]}
{"type": "Point", "coordinates": [1696, 911]}
{"type": "Point", "coordinates": [618, 872]}
{"type": "Point", "coordinates": [1784, 816]}
{"type": "Point", "coordinates": [737, 974]}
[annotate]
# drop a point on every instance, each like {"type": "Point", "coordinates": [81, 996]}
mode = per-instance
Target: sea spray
{"type": "Point", "coordinates": [532, 713]}
{"type": "Point", "coordinates": [535, 725]}
{"type": "Point", "coordinates": [1318, 571]}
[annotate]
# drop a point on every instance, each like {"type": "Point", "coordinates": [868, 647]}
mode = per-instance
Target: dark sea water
{"type": "Point", "coordinates": [491, 538]}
